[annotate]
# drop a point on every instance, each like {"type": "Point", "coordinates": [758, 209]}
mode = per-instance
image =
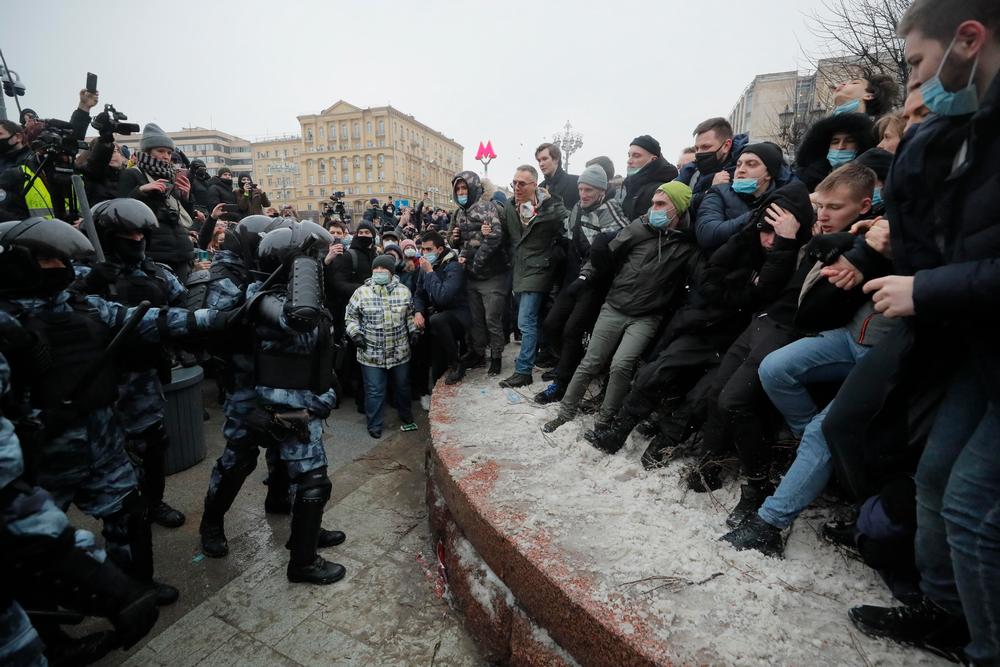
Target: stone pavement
{"type": "Point", "coordinates": [241, 610]}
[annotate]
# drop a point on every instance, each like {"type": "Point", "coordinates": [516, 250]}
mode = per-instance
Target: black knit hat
{"type": "Point", "coordinates": [769, 153]}
{"type": "Point", "coordinates": [649, 143]}
{"type": "Point", "coordinates": [365, 225]}
{"type": "Point", "coordinates": [387, 262]}
{"type": "Point", "coordinates": [878, 160]}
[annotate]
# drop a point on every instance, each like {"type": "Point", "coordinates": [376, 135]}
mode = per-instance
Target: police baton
{"type": "Point", "coordinates": [88, 220]}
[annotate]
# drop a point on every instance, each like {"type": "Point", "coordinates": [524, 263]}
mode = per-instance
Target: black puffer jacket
{"type": "Point", "coordinates": [563, 185]}
{"type": "Point", "coordinates": [636, 194]}
{"type": "Point", "coordinates": [169, 243]}
{"type": "Point", "coordinates": [811, 164]}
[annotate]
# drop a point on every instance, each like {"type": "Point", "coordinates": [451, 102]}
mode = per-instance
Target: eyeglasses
{"type": "Point", "coordinates": [521, 184]}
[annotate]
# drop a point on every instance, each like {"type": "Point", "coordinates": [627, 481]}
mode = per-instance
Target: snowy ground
{"type": "Point", "coordinates": [647, 545]}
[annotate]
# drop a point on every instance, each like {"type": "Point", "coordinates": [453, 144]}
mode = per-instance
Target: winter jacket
{"type": "Point", "coordinates": [944, 231]}
{"type": "Point", "coordinates": [348, 271]}
{"type": "Point", "coordinates": [485, 257]}
{"type": "Point", "coordinates": [200, 193]}
{"type": "Point", "coordinates": [15, 158]}
{"type": "Point", "coordinates": [722, 212]}
{"type": "Point", "coordinates": [443, 288]}
{"type": "Point", "coordinates": [169, 242]}
{"type": "Point", "coordinates": [700, 183]}
{"type": "Point", "coordinates": [252, 204]}
{"type": "Point", "coordinates": [584, 228]}
{"type": "Point", "coordinates": [811, 164]}
{"type": "Point", "coordinates": [220, 191]}
{"type": "Point", "coordinates": [653, 267]}
{"type": "Point", "coordinates": [383, 315]}
{"type": "Point", "coordinates": [531, 245]}
{"type": "Point", "coordinates": [100, 180]}
{"type": "Point", "coordinates": [563, 185]}
{"type": "Point", "coordinates": [636, 193]}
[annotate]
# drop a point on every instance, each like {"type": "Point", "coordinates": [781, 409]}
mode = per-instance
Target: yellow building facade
{"type": "Point", "coordinates": [376, 152]}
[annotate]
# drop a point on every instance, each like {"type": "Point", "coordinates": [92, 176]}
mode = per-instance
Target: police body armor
{"type": "Point", "coordinates": [198, 285]}
{"type": "Point", "coordinates": [303, 311]}
{"type": "Point", "coordinates": [62, 376]}
{"type": "Point", "coordinates": [131, 290]}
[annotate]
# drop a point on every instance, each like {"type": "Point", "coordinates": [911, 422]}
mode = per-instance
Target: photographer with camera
{"type": "Point", "coordinates": [41, 185]}
{"type": "Point", "coordinates": [250, 198]}
{"type": "Point", "coordinates": [155, 182]}
{"type": "Point", "coordinates": [103, 163]}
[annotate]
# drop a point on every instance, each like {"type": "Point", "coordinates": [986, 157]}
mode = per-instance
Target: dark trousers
{"type": "Point", "coordinates": [742, 406]}
{"type": "Point", "coordinates": [447, 330]}
{"type": "Point", "coordinates": [568, 320]}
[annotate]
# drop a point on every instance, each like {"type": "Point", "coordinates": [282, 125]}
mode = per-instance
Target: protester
{"type": "Point", "coordinates": [914, 109]}
{"type": "Point", "coordinates": [557, 182]}
{"type": "Point", "coordinates": [686, 157]}
{"type": "Point", "coordinates": [379, 321]}
{"type": "Point", "coordinates": [889, 129]}
{"type": "Point", "coordinates": [830, 143]}
{"type": "Point", "coordinates": [647, 170]}
{"type": "Point", "coordinates": [716, 149]}
{"type": "Point", "coordinates": [657, 255]}
{"type": "Point", "coordinates": [441, 305]}
{"type": "Point", "coordinates": [477, 234]}
{"type": "Point", "coordinates": [873, 95]}
{"type": "Point", "coordinates": [13, 150]}
{"type": "Point", "coordinates": [250, 199]}
{"type": "Point", "coordinates": [533, 220]}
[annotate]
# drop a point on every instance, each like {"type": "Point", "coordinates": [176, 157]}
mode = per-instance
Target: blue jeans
{"type": "Point", "coordinates": [376, 382]}
{"type": "Point", "coordinates": [529, 304]}
{"type": "Point", "coordinates": [784, 374]}
{"type": "Point", "coordinates": [958, 512]}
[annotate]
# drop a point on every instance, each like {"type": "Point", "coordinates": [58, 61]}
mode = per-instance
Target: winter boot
{"type": "Point", "coordinates": [455, 373]}
{"type": "Point", "coordinates": [842, 533]}
{"type": "Point", "coordinates": [545, 359]}
{"type": "Point", "coordinates": [612, 439]}
{"type": "Point", "coordinates": [304, 564]}
{"type": "Point", "coordinates": [657, 451]}
{"type": "Point", "coordinates": [708, 475]}
{"type": "Point", "coordinates": [326, 539]}
{"type": "Point", "coordinates": [494, 369]}
{"type": "Point", "coordinates": [924, 625]}
{"type": "Point", "coordinates": [648, 428]}
{"type": "Point", "coordinates": [755, 533]}
{"type": "Point", "coordinates": [551, 425]}
{"type": "Point", "coordinates": [752, 495]}
{"type": "Point", "coordinates": [550, 375]}
{"type": "Point", "coordinates": [551, 394]}
{"type": "Point", "coordinates": [592, 405]}
{"type": "Point", "coordinates": [517, 380]}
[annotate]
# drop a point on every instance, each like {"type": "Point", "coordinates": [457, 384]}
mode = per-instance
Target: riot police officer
{"type": "Point", "coordinates": [293, 378]}
{"type": "Point", "coordinates": [71, 385]}
{"type": "Point", "coordinates": [127, 276]}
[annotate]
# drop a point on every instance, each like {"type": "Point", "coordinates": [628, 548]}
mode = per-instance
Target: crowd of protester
{"type": "Point", "coordinates": [822, 322]}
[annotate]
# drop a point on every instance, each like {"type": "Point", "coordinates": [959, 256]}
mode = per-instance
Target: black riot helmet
{"type": "Point", "coordinates": [24, 243]}
{"type": "Point", "coordinates": [116, 217]}
{"type": "Point", "coordinates": [282, 244]}
{"type": "Point", "coordinates": [244, 238]}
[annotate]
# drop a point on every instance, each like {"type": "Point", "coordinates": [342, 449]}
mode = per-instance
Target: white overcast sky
{"type": "Point", "coordinates": [513, 72]}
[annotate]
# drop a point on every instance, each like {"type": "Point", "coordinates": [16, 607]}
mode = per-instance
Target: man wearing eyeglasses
{"type": "Point", "coordinates": [533, 219]}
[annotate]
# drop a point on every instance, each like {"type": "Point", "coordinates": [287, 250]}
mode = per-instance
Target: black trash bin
{"type": "Point", "coordinates": [185, 425]}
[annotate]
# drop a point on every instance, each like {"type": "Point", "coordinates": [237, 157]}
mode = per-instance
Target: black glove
{"type": "Point", "coordinates": [575, 287]}
{"type": "Point", "coordinates": [414, 338]}
{"type": "Point", "coordinates": [826, 248]}
{"type": "Point", "coordinates": [101, 276]}
{"type": "Point", "coordinates": [102, 123]}
{"type": "Point", "coordinates": [359, 341]}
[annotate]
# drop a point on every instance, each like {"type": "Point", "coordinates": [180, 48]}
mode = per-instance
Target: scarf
{"type": "Point", "coordinates": [153, 167]}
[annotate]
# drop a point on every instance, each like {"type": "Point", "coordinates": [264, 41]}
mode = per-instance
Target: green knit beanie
{"type": "Point", "coordinates": [680, 195]}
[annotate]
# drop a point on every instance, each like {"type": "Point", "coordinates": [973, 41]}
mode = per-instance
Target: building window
{"type": "Point", "coordinates": [320, 132]}
{"type": "Point", "coordinates": [333, 132]}
{"type": "Point", "coordinates": [381, 142]}
{"type": "Point", "coordinates": [310, 194]}
{"type": "Point", "coordinates": [368, 160]}
{"type": "Point", "coordinates": [381, 176]}
{"type": "Point", "coordinates": [309, 134]}
{"type": "Point", "coordinates": [381, 127]}
{"type": "Point", "coordinates": [322, 165]}
{"type": "Point", "coordinates": [357, 130]}
{"type": "Point", "coordinates": [368, 175]}
{"type": "Point", "coordinates": [357, 176]}
{"type": "Point", "coordinates": [381, 158]}
{"type": "Point", "coordinates": [368, 127]}
{"type": "Point", "coordinates": [322, 192]}
{"type": "Point", "coordinates": [357, 161]}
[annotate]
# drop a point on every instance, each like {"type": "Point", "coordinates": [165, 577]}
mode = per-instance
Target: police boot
{"type": "Point", "coordinates": [154, 464]}
{"type": "Point", "coordinates": [613, 439]}
{"type": "Point", "coordinates": [217, 503]}
{"type": "Point", "coordinates": [129, 544]}
{"type": "Point", "coordinates": [305, 565]}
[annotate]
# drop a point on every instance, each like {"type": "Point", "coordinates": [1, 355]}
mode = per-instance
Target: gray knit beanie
{"type": "Point", "coordinates": [154, 137]}
{"type": "Point", "coordinates": [595, 177]}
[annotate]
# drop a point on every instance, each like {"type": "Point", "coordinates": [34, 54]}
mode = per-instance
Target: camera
{"type": "Point", "coordinates": [57, 139]}
{"type": "Point", "coordinates": [109, 122]}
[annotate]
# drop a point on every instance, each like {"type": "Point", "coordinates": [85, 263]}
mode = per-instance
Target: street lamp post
{"type": "Point", "coordinates": [569, 141]}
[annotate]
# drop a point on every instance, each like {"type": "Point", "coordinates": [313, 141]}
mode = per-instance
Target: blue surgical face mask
{"type": "Point", "coordinates": [462, 199]}
{"type": "Point", "coordinates": [838, 157]}
{"type": "Point", "coordinates": [945, 103]}
{"type": "Point", "coordinates": [658, 219]}
{"type": "Point", "coordinates": [847, 107]}
{"type": "Point", "coordinates": [381, 277]}
{"type": "Point", "coordinates": [745, 186]}
{"type": "Point", "coordinates": [632, 171]}
{"type": "Point", "coordinates": [431, 257]}
{"type": "Point", "coordinates": [877, 197]}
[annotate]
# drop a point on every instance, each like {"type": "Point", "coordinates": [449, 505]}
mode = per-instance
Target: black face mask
{"type": "Point", "coordinates": [708, 162]}
{"type": "Point", "coordinates": [54, 281]}
{"type": "Point", "coordinates": [362, 242]}
{"type": "Point", "coordinates": [127, 250]}
{"type": "Point", "coordinates": [6, 148]}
